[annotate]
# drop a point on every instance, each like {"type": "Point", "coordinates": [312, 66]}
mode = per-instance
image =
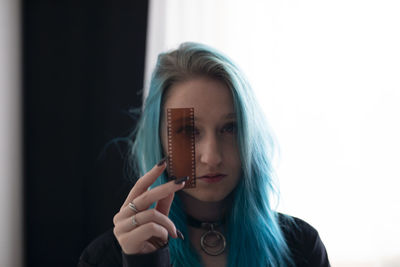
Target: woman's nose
{"type": "Point", "coordinates": [209, 151]}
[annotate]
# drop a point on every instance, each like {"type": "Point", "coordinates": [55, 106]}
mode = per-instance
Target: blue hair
{"type": "Point", "coordinates": [253, 233]}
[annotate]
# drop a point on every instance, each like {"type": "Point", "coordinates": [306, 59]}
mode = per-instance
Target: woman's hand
{"type": "Point", "coordinates": [147, 230]}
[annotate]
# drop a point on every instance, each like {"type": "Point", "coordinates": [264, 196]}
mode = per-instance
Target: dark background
{"type": "Point", "coordinates": [83, 69]}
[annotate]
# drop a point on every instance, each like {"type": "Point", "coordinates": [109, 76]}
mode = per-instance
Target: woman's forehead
{"type": "Point", "coordinates": [204, 94]}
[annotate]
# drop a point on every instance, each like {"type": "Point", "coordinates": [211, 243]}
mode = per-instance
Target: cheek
{"type": "Point", "coordinates": [237, 164]}
{"type": "Point", "coordinates": [232, 151]}
{"type": "Point", "coordinates": [232, 158]}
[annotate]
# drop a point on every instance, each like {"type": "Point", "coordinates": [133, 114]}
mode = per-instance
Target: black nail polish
{"type": "Point", "coordinates": [162, 161]}
{"type": "Point", "coordinates": [179, 234]}
{"type": "Point", "coordinates": [181, 180]}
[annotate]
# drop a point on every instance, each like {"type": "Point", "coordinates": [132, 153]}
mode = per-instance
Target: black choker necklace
{"type": "Point", "coordinates": [212, 242]}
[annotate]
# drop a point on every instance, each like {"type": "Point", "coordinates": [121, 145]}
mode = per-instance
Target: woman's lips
{"type": "Point", "coordinates": [212, 178]}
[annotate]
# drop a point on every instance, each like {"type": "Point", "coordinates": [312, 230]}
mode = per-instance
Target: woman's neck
{"type": "Point", "coordinates": [203, 210]}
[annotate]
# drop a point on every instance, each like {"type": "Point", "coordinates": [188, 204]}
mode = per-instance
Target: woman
{"type": "Point", "coordinates": [227, 220]}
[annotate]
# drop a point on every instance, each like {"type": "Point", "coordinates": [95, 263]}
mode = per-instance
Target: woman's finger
{"type": "Point", "coordinates": [145, 200]}
{"type": "Point", "coordinates": [148, 247]}
{"type": "Point", "coordinates": [156, 242]}
{"type": "Point", "coordinates": [151, 215]}
{"type": "Point", "coordinates": [133, 242]}
{"type": "Point", "coordinates": [146, 181]}
{"type": "Point", "coordinates": [164, 205]}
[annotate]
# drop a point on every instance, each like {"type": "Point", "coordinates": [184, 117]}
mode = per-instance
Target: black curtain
{"type": "Point", "coordinates": [83, 69]}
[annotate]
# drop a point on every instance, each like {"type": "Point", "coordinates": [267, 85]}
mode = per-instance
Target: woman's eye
{"type": "Point", "coordinates": [230, 128]}
{"type": "Point", "coordinates": [187, 130]}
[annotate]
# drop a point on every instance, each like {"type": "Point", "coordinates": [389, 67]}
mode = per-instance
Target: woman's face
{"type": "Point", "coordinates": [217, 152]}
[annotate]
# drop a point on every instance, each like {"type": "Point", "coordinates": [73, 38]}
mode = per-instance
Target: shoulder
{"type": "Point", "coordinates": [303, 241]}
{"type": "Point", "coordinates": [103, 251]}
{"type": "Point", "coordinates": [296, 229]}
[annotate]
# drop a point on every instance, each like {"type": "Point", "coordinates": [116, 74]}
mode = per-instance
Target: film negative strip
{"type": "Point", "coordinates": [181, 145]}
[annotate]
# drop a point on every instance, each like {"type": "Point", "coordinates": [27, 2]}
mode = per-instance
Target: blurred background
{"type": "Point", "coordinates": [73, 72]}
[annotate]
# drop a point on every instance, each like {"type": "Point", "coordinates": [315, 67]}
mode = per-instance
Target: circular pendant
{"type": "Point", "coordinates": [213, 242]}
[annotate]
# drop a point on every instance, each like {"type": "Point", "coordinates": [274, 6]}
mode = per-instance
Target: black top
{"type": "Point", "coordinates": [303, 240]}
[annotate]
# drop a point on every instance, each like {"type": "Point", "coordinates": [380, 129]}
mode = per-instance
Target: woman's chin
{"type": "Point", "coordinates": [205, 196]}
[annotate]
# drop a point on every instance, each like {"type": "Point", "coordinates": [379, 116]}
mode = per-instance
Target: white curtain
{"type": "Point", "coordinates": [328, 76]}
{"type": "Point", "coordinates": [11, 249]}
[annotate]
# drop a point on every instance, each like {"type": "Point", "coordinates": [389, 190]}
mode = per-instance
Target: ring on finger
{"type": "Point", "coordinates": [133, 207]}
{"type": "Point", "coordinates": [134, 222]}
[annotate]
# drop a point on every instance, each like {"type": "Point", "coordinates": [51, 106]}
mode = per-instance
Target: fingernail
{"type": "Point", "coordinates": [162, 161]}
{"type": "Point", "coordinates": [181, 180]}
{"type": "Point", "coordinates": [179, 234]}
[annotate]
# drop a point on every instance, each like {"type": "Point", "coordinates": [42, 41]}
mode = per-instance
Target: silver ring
{"type": "Point", "coordinates": [134, 222]}
{"type": "Point", "coordinates": [133, 207]}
